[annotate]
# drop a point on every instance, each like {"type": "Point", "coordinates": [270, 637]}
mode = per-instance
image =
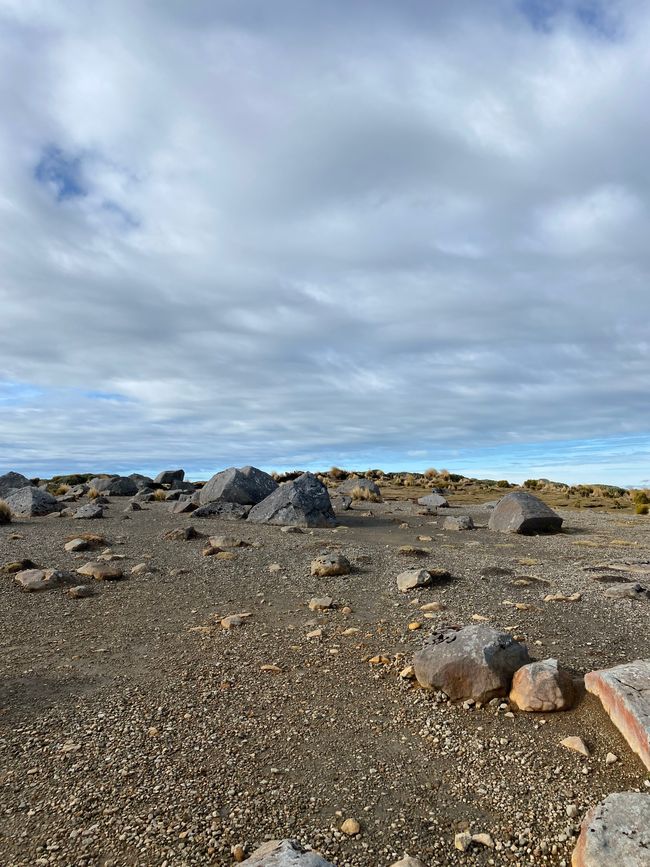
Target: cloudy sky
{"type": "Point", "coordinates": [306, 232]}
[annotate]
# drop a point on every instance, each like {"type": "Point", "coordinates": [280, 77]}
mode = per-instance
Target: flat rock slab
{"type": "Point", "coordinates": [286, 853]}
{"type": "Point", "coordinates": [615, 833]}
{"type": "Point", "coordinates": [625, 694]}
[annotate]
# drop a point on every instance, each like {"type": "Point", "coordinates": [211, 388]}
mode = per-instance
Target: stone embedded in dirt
{"type": "Point", "coordinates": [101, 571]}
{"type": "Point", "coordinates": [76, 545]}
{"type": "Point", "coordinates": [225, 542]}
{"type": "Point", "coordinates": [461, 522]}
{"type": "Point", "coordinates": [330, 564]}
{"type": "Point", "coordinates": [33, 580]}
{"type": "Point", "coordinates": [114, 486]}
{"type": "Point", "coordinates": [462, 841]}
{"type": "Point", "coordinates": [408, 861]}
{"type": "Point", "coordinates": [476, 662]}
{"type": "Point", "coordinates": [624, 692]}
{"type": "Point", "coordinates": [412, 578]}
{"type": "Point", "coordinates": [246, 486]}
{"type": "Point", "coordinates": [433, 501]}
{"type": "Point", "coordinates": [303, 503]}
{"type": "Point", "coordinates": [615, 833]}
{"type": "Point", "coordinates": [16, 566]}
{"type": "Point", "coordinates": [610, 759]}
{"type": "Point", "coordinates": [89, 512]}
{"type": "Point", "coordinates": [562, 597]}
{"type": "Point", "coordinates": [31, 502]}
{"type": "Point", "coordinates": [233, 620]}
{"type": "Point", "coordinates": [320, 603]}
{"type": "Point", "coordinates": [542, 687]}
{"type": "Point", "coordinates": [141, 569]}
{"type": "Point", "coordinates": [10, 482]}
{"type": "Point", "coordinates": [181, 534]}
{"type": "Point", "coordinates": [350, 827]}
{"type": "Point", "coordinates": [633, 590]}
{"type": "Point", "coordinates": [483, 839]}
{"type": "Point", "coordinates": [286, 853]}
{"type": "Point", "coordinates": [412, 551]}
{"type": "Point", "coordinates": [291, 529]}
{"type": "Point", "coordinates": [168, 477]}
{"type": "Point", "coordinates": [577, 745]}
{"type": "Point", "coordinates": [222, 509]}
{"type": "Point", "coordinates": [133, 506]}
{"type": "Point", "coordinates": [81, 591]}
{"type": "Point", "coordinates": [521, 512]}
{"type": "Point", "coordinates": [430, 607]}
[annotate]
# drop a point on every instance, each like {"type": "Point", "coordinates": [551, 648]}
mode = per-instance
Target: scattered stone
{"type": "Point", "coordinates": [407, 673]}
{"type": "Point", "coordinates": [351, 827]}
{"type": "Point", "coordinates": [433, 501]}
{"type": "Point", "coordinates": [433, 606]}
{"type": "Point", "coordinates": [483, 840]}
{"type": "Point", "coordinates": [246, 486]}
{"type": "Point", "coordinates": [303, 502]}
{"type": "Point", "coordinates": [462, 841]}
{"type": "Point", "coordinates": [462, 522]}
{"type": "Point", "coordinates": [101, 571]}
{"type": "Point", "coordinates": [89, 512]}
{"type": "Point", "coordinates": [562, 597]}
{"type": "Point", "coordinates": [286, 853]}
{"type": "Point", "coordinates": [412, 551]}
{"type": "Point", "coordinates": [76, 545]}
{"type": "Point", "coordinates": [615, 832]}
{"type": "Point", "coordinates": [624, 692]}
{"type": "Point", "coordinates": [542, 687]}
{"type": "Point", "coordinates": [34, 580]}
{"type": "Point", "coordinates": [181, 534]}
{"type": "Point", "coordinates": [31, 502]}
{"type": "Point", "coordinates": [133, 506]}
{"type": "Point", "coordinates": [81, 591]}
{"type": "Point", "coordinates": [521, 512]}
{"type": "Point", "coordinates": [183, 507]}
{"type": "Point", "coordinates": [476, 662]}
{"type": "Point", "coordinates": [141, 569]}
{"type": "Point", "coordinates": [577, 745]}
{"type": "Point", "coordinates": [320, 603]}
{"type": "Point", "coordinates": [633, 590]}
{"type": "Point", "coordinates": [408, 861]}
{"type": "Point", "coordinates": [610, 759]}
{"type": "Point", "coordinates": [326, 565]}
{"type": "Point", "coordinates": [291, 529]}
{"type": "Point", "coordinates": [233, 620]}
{"type": "Point", "coordinates": [226, 542]}
{"type": "Point", "coordinates": [15, 566]}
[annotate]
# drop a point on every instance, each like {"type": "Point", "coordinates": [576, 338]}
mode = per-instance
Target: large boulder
{"type": "Point", "coordinates": [30, 502]}
{"type": "Point", "coordinates": [222, 509]}
{"type": "Point", "coordinates": [476, 662]}
{"type": "Point", "coordinates": [141, 482]}
{"type": "Point", "coordinates": [247, 486]}
{"type": "Point", "coordinates": [521, 512]}
{"type": "Point", "coordinates": [433, 501]}
{"type": "Point", "coordinates": [615, 833]}
{"type": "Point", "coordinates": [361, 489]}
{"type": "Point", "coordinates": [301, 503]}
{"type": "Point", "coordinates": [115, 486]}
{"type": "Point", "coordinates": [10, 482]}
{"type": "Point", "coordinates": [286, 853]}
{"type": "Point", "coordinates": [168, 477]}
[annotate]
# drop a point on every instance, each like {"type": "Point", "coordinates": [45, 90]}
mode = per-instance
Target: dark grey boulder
{"type": "Point", "coordinates": [30, 502]}
{"type": "Point", "coordinates": [304, 502]}
{"type": "Point", "coordinates": [89, 512]}
{"type": "Point", "coordinates": [222, 509]}
{"type": "Point", "coordinates": [475, 662]}
{"type": "Point", "coordinates": [141, 482]}
{"type": "Point", "coordinates": [10, 482]}
{"type": "Point", "coordinates": [247, 486]}
{"type": "Point", "coordinates": [365, 485]}
{"type": "Point", "coordinates": [521, 512]}
{"type": "Point", "coordinates": [183, 507]}
{"type": "Point", "coordinates": [115, 486]}
{"type": "Point", "coordinates": [168, 477]}
{"type": "Point", "coordinates": [433, 501]}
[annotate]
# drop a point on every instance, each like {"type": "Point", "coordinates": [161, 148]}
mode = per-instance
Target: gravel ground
{"type": "Point", "coordinates": [136, 730]}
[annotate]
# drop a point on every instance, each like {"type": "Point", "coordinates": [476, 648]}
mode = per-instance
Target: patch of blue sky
{"type": "Point", "coordinates": [60, 172]}
{"type": "Point", "coordinates": [598, 17]}
{"type": "Point", "coordinates": [17, 393]}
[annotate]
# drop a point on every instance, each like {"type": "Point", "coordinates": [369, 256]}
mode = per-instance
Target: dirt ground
{"type": "Point", "coordinates": [135, 730]}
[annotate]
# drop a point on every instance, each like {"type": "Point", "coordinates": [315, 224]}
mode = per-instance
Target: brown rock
{"type": "Point", "coordinates": [542, 687]}
{"type": "Point", "coordinates": [625, 694]}
{"type": "Point", "coordinates": [101, 571]}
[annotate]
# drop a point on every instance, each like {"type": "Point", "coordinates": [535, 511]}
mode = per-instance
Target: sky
{"type": "Point", "coordinates": [315, 232]}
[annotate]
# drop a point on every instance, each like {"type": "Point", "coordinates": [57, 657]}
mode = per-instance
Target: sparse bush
{"type": "Point", "coordinates": [642, 508]}
{"type": "Point", "coordinates": [93, 493]}
{"type": "Point", "coordinates": [531, 484]}
{"type": "Point", "coordinates": [410, 480]}
{"type": "Point", "coordinates": [444, 474]}
{"type": "Point", "coordinates": [365, 494]}
{"type": "Point", "coordinates": [503, 483]}
{"type": "Point", "coordinates": [337, 473]}
{"type": "Point", "coordinates": [72, 479]}
{"type": "Point", "coordinates": [641, 499]}
{"type": "Point", "coordinates": [5, 513]}
{"type": "Point", "coordinates": [60, 490]}
{"type": "Point", "coordinates": [159, 495]}
{"type": "Point", "coordinates": [430, 473]}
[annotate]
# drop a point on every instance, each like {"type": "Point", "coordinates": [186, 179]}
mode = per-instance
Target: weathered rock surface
{"type": "Point", "coordinates": [141, 482]}
{"type": "Point", "coordinates": [330, 564]}
{"type": "Point", "coordinates": [247, 486]}
{"type": "Point", "coordinates": [521, 512]}
{"type": "Point", "coordinates": [408, 861]}
{"type": "Point", "coordinates": [475, 662]}
{"type": "Point", "coordinates": [29, 502]}
{"type": "Point", "coordinates": [33, 580]}
{"type": "Point", "coordinates": [101, 571]}
{"type": "Point", "coordinates": [181, 507]}
{"type": "Point", "coordinates": [222, 509]}
{"type": "Point", "coordinates": [624, 692]}
{"type": "Point", "coordinates": [433, 501]}
{"type": "Point", "coordinates": [364, 485]}
{"type": "Point", "coordinates": [615, 833]}
{"type": "Point", "coordinates": [460, 522]}
{"type": "Point", "coordinates": [168, 477]}
{"type": "Point", "coordinates": [633, 590]}
{"type": "Point", "coordinates": [286, 853]}
{"type": "Point", "coordinates": [542, 686]}
{"type": "Point", "coordinates": [89, 512]}
{"type": "Point", "coordinates": [412, 578]}
{"type": "Point", "coordinates": [114, 486]}
{"type": "Point", "coordinates": [11, 481]}
{"type": "Point", "coordinates": [304, 502]}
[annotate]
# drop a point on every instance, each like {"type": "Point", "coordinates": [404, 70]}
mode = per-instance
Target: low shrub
{"type": "Point", "coordinates": [159, 495]}
{"type": "Point", "coordinates": [93, 493]}
{"type": "Point", "coordinates": [364, 494]}
{"type": "Point", "coordinates": [5, 513]}
{"type": "Point", "coordinates": [642, 508]}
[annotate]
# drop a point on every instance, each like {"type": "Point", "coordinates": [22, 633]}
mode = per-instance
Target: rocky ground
{"type": "Point", "coordinates": [135, 729]}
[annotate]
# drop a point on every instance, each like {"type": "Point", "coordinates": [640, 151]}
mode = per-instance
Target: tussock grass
{"type": "Point", "coordinates": [364, 494]}
{"type": "Point", "coordinates": [159, 495]}
{"type": "Point", "coordinates": [93, 493]}
{"type": "Point", "coordinates": [5, 513]}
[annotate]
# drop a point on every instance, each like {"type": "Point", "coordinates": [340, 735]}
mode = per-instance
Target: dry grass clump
{"type": "Point", "coordinates": [640, 498]}
{"type": "Point", "coordinates": [159, 495]}
{"type": "Point", "coordinates": [5, 513]}
{"type": "Point", "coordinates": [365, 494]}
{"type": "Point", "coordinates": [642, 509]}
{"type": "Point", "coordinates": [91, 538]}
{"type": "Point", "coordinates": [430, 473]}
{"type": "Point", "coordinates": [337, 473]}
{"type": "Point", "coordinates": [93, 493]}
{"type": "Point", "coordinates": [60, 490]}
